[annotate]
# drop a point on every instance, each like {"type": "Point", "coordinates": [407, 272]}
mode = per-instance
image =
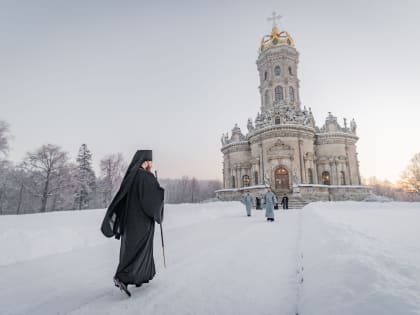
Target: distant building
{"type": "Point", "coordinates": [283, 148]}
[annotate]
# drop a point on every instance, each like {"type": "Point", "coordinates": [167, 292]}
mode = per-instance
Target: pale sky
{"type": "Point", "coordinates": [172, 76]}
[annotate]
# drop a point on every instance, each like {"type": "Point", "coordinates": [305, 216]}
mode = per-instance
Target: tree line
{"type": "Point", "coordinates": [406, 189]}
{"type": "Point", "coordinates": [48, 179]}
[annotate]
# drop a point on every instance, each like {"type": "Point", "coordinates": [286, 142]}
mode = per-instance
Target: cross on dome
{"type": "Point", "coordinates": [274, 17]}
{"type": "Point", "coordinates": [277, 37]}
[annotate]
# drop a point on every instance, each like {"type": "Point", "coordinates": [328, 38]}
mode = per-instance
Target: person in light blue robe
{"type": "Point", "coordinates": [270, 201]}
{"type": "Point", "coordinates": [247, 200]}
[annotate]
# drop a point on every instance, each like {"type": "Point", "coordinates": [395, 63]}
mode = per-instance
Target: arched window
{"type": "Point", "coordinates": [265, 76]}
{"type": "Point", "coordinates": [310, 176]}
{"type": "Point", "coordinates": [266, 98]}
{"type": "Point", "coordinates": [245, 181]}
{"type": "Point", "coordinates": [326, 178]}
{"type": "Point", "coordinates": [291, 94]}
{"type": "Point", "coordinates": [277, 70]}
{"type": "Point", "coordinates": [233, 182]}
{"type": "Point", "coordinates": [278, 93]}
{"type": "Point", "coordinates": [290, 70]}
{"type": "Point", "coordinates": [342, 178]}
{"type": "Point", "coordinates": [255, 178]}
{"type": "Point", "coordinates": [277, 120]}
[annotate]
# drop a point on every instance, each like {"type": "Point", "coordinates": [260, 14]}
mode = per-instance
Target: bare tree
{"type": "Point", "coordinates": [189, 190]}
{"type": "Point", "coordinates": [112, 167]}
{"type": "Point", "coordinates": [46, 167]}
{"type": "Point", "coordinates": [4, 181]}
{"type": "Point", "coordinates": [4, 138]}
{"type": "Point", "coordinates": [195, 189]}
{"type": "Point", "coordinates": [64, 198]}
{"type": "Point", "coordinates": [185, 186]}
{"type": "Point", "coordinates": [410, 179]}
{"type": "Point", "coordinates": [208, 188]}
{"type": "Point", "coordinates": [390, 190]}
{"type": "Point", "coordinates": [19, 177]}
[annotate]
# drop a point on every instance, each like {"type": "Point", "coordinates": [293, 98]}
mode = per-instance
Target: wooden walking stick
{"type": "Point", "coordinates": [161, 237]}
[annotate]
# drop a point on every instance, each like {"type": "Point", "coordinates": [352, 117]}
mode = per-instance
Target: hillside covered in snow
{"type": "Point", "coordinates": [329, 258]}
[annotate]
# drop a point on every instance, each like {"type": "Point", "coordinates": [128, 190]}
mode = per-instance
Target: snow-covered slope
{"type": "Point", "coordinates": [329, 258]}
{"type": "Point", "coordinates": [360, 258]}
{"type": "Point", "coordinates": [31, 236]}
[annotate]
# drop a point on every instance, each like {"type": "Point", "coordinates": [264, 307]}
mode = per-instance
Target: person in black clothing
{"type": "Point", "coordinates": [285, 202]}
{"type": "Point", "coordinates": [131, 216]}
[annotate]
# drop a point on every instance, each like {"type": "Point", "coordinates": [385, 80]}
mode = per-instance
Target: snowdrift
{"type": "Point", "coordinates": [25, 237]}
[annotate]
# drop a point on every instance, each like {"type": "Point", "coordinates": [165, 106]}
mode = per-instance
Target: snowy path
{"type": "Point", "coordinates": [217, 265]}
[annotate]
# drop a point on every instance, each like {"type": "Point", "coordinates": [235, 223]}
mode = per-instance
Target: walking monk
{"type": "Point", "coordinates": [131, 216]}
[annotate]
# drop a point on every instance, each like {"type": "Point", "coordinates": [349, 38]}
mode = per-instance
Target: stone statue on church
{"type": "Point", "coordinates": [224, 139]}
{"type": "Point", "coordinates": [290, 115]}
{"type": "Point", "coordinates": [250, 126]}
{"type": "Point", "coordinates": [353, 126]}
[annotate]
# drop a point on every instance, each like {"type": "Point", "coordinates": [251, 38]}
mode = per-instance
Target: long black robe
{"type": "Point", "coordinates": [131, 216]}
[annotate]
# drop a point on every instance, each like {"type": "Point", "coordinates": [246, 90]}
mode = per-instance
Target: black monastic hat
{"type": "Point", "coordinates": [139, 157]}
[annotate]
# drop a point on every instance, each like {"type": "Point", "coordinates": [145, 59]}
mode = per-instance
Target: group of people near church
{"type": "Point", "coordinates": [270, 202]}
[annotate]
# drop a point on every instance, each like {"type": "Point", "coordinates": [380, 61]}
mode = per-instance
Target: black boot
{"type": "Point", "coordinates": [122, 286]}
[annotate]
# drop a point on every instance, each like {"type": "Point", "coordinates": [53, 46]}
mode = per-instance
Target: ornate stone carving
{"type": "Point", "coordinates": [280, 150]}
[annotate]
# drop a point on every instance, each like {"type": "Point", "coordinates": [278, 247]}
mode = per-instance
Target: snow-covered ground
{"type": "Point", "coordinates": [360, 258]}
{"type": "Point", "coordinates": [329, 258]}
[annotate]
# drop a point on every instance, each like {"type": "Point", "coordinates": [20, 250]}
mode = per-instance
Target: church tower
{"type": "Point", "coordinates": [277, 65]}
{"type": "Point", "coordinates": [284, 149]}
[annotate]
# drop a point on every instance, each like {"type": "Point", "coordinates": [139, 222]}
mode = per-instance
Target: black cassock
{"type": "Point", "coordinates": [131, 217]}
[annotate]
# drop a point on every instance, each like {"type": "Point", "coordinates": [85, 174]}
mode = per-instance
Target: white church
{"type": "Point", "coordinates": [284, 148]}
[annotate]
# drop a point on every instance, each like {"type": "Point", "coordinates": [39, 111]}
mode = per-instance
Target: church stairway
{"type": "Point", "coordinates": [295, 202]}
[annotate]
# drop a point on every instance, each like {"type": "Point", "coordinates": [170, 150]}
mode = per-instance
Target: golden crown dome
{"type": "Point", "coordinates": [277, 38]}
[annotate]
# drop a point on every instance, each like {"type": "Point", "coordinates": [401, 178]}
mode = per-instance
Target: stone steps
{"type": "Point", "coordinates": [295, 202]}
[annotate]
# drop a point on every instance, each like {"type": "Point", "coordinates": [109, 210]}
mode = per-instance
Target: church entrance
{"type": "Point", "coordinates": [281, 178]}
{"type": "Point", "coordinates": [326, 178]}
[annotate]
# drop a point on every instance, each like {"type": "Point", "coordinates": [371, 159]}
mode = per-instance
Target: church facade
{"type": "Point", "coordinates": [283, 147]}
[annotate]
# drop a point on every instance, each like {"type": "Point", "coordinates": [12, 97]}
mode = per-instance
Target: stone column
{"type": "Point", "coordinates": [337, 173]}
{"type": "Point", "coordinates": [348, 163]}
{"type": "Point", "coordinates": [224, 175]}
{"type": "Point", "coordinates": [319, 173]}
{"type": "Point", "coordinates": [332, 172]}
{"type": "Point", "coordinates": [300, 160]}
{"type": "Point", "coordinates": [334, 176]}
{"type": "Point", "coordinates": [262, 175]}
